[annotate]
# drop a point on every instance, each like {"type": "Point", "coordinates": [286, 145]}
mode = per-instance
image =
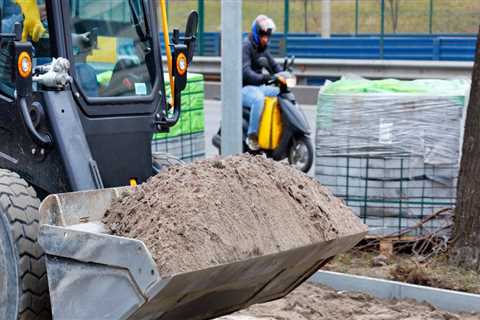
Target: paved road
{"type": "Point", "coordinates": [213, 114]}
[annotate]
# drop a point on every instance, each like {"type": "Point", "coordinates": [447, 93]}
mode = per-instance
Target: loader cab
{"type": "Point", "coordinates": [95, 131]}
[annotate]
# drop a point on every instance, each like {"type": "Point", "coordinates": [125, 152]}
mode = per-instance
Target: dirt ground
{"type": "Point", "coordinates": [312, 302]}
{"type": "Point", "coordinates": [435, 272]}
{"type": "Point", "coordinates": [225, 210]}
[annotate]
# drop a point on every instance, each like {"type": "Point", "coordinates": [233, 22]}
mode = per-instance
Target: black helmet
{"type": "Point", "coordinates": [262, 25]}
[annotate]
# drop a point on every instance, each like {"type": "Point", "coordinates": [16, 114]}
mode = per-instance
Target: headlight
{"type": "Point", "coordinates": [291, 82]}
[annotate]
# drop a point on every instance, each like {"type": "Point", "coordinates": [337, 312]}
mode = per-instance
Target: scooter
{"type": "Point", "coordinates": [284, 132]}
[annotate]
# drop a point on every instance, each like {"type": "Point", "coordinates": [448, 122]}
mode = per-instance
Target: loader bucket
{"type": "Point", "coordinates": [93, 275]}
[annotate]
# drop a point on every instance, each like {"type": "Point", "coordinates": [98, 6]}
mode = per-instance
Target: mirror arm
{"type": "Point", "coordinates": [175, 36]}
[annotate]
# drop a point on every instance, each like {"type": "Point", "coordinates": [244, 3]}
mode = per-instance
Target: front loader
{"type": "Point", "coordinates": [81, 94]}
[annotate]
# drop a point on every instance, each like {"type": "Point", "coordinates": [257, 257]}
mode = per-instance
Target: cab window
{"type": "Point", "coordinates": [111, 46]}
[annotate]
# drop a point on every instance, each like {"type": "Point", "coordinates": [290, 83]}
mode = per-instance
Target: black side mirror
{"type": "Point", "coordinates": [184, 51]}
{"type": "Point", "coordinates": [191, 34]}
{"type": "Point", "coordinates": [181, 58]}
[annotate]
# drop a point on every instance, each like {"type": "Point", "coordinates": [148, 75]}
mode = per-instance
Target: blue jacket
{"type": "Point", "coordinates": [251, 69]}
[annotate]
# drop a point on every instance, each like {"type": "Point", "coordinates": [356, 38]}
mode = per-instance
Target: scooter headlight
{"type": "Point", "coordinates": [291, 82]}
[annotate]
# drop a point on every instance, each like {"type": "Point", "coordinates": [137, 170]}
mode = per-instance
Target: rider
{"type": "Point", "coordinates": [254, 81]}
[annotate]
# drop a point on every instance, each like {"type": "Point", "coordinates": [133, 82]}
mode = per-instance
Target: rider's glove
{"type": "Point", "coordinates": [268, 78]}
{"type": "Point", "coordinates": [278, 79]}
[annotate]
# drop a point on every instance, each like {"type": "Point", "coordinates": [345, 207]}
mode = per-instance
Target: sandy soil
{"type": "Point", "coordinates": [220, 211]}
{"type": "Point", "coordinates": [312, 302]}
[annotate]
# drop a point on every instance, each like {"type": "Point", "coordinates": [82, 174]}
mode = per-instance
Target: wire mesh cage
{"type": "Point", "coordinates": [391, 148]}
{"type": "Point", "coordinates": [186, 140]}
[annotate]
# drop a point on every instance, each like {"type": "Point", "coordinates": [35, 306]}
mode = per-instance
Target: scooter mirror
{"type": "Point", "coordinates": [292, 61]}
{"type": "Point", "coordinates": [289, 65]}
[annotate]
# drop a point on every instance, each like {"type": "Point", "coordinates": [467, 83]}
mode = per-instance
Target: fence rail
{"type": "Point", "coordinates": [310, 71]}
{"type": "Point", "coordinates": [389, 47]}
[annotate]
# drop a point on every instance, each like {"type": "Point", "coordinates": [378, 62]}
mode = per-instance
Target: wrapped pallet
{"type": "Point", "coordinates": [186, 140]}
{"type": "Point", "coordinates": [391, 148]}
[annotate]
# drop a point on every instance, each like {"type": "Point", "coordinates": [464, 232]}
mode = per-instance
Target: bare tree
{"type": "Point", "coordinates": [305, 15]}
{"type": "Point", "coordinates": [465, 249]}
{"type": "Point", "coordinates": [394, 14]}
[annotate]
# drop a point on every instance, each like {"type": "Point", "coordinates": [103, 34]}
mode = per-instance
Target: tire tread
{"type": "Point", "coordinates": [20, 203]}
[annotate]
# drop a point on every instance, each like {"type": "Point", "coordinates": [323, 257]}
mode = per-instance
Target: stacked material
{"type": "Point", "coordinates": [391, 148]}
{"type": "Point", "coordinates": [186, 140]}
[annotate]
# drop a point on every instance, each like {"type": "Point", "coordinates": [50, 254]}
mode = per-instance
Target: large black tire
{"type": "Point", "coordinates": [23, 277]}
{"type": "Point", "coordinates": [300, 153]}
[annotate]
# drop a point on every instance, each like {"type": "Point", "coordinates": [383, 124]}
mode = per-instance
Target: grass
{"type": "Point", "coordinates": [436, 272]}
{"type": "Point", "coordinates": [449, 16]}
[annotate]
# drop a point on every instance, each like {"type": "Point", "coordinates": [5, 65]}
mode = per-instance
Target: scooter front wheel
{"type": "Point", "coordinates": [300, 153]}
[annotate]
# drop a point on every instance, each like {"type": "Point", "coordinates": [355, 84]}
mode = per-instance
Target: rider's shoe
{"type": "Point", "coordinates": [252, 143]}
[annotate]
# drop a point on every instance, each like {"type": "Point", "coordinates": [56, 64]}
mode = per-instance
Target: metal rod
{"type": "Point", "coordinates": [168, 8]}
{"type": "Point", "coordinates": [401, 197]}
{"type": "Point", "coordinates": [326, 18]}
{"type": "Point", "coordinates": [382, 26]}
{"type": "Point", "coordinates": [357, 4]}
{"type": "Point", "coordinates": [430, 17]}
{"type": "Point", "coordinates": [365, 197]}
{"type": "Point", "coordinates": [201, 26]}
{"type": "Point", "coordinates": [231, 77]}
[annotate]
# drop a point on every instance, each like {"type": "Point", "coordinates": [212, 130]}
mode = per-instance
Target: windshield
{"type": "Point", "coordinates": [112, 48]}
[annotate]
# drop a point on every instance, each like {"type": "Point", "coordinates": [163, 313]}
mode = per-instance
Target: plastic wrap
{"type": "Point", "coordinates": [392, 118]}
{"type": "Point", "coordinates": [391, 148]}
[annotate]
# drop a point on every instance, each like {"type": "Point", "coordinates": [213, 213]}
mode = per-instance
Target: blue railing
{"type": "Point", "coordinates": [398, 47]}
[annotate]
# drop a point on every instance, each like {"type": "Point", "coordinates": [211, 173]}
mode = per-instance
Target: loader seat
{"type": "Point", "coordinates": [126, 71]}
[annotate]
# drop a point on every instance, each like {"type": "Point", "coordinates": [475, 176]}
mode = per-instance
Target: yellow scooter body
{"type": "Point", "coordinates": [270, 130]}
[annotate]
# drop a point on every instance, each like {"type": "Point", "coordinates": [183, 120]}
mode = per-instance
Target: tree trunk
{"type": "Point", "coordinates": [394, 14]}
{"type": "Point", "coordinates": [305, 15]}
{"type": "Point", "coordinates": [465, 250]}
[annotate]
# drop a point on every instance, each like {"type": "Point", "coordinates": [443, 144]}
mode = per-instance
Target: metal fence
{"type": "Point", "coordinates": [374, 18]}
{"type": "Point", "coordinates": [397, 47]}
{"type": "Point", "coordinates": [347, 16]}
{"type": "Point", "coordinates": [186, 140]}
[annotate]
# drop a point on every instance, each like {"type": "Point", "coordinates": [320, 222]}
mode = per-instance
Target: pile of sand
{"type": "Point", "coordinates": [220, 211]}
{"type": "Point", "coordinates": [312, 302]}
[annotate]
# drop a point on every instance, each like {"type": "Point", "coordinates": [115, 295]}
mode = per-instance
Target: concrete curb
{"type": "Point", "coordinates": [449, 300]}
